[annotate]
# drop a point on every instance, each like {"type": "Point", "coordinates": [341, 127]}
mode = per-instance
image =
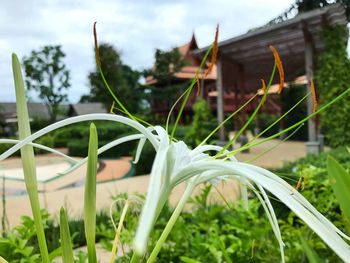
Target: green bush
{"type": "Point", "coordinates": [78, 149]}
{"type": "Point", "coordinates": [107, 131]}
{"type": "Point", "coordinates": [333, 78]}
{"type": "Point", "coordinates": [201, 125]}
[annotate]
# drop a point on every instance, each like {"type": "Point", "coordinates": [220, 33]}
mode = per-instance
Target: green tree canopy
{"type": "Point", "coordinates": [167, 63]}
{"type": "Point", "coordinates": [47, 74]}
{"type": "Point", "coordinates": [123, 80]}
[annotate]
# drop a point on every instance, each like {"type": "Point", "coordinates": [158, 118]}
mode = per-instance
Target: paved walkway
{"type": "Point", "coordinates": [72, 198]}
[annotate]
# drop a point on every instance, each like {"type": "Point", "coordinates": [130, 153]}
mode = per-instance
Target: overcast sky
{"type": "Point", "coordinates": [136, 28]}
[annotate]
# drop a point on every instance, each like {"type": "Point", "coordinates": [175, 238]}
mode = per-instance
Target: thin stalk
{"type": "Point", "coordinates": [227, 119]}
{"type": "Point", "coordinates": [188, 92]}
{"type": "Point", "coordinates": [251, 118]}
{"type": "Point", "coordinates": [27, 156]}
{"type": "Point", "coordinates": [232, 153]}
{"type": "Point", "coordinates": [90, 195]}
{"type": "Point", "coordinates": [274, 146]}
{"type": "Point", "coordinates": [66, 242]}
{"type": "Point", "coordinates": [280, 118]}
{"type": "Point", "coordinates": [117, 234]}
{"type": "Point", "coordinates": [169, 226]}
{"type": "Point", "coordinates": [99, 66]}
{"type": "Point", "coordinates": [173, 107]}
{"type": "Point", "coordinates": [136, 258]}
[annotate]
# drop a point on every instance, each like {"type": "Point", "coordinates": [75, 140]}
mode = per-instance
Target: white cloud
{"type": "Point", "coordinates": [134, 27]}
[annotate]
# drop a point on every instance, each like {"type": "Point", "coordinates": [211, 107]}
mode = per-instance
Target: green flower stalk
{"type": "Point", "coordinates": [90, 195]}
{"type": "Point", "coordinates": [66, 242]}
{"type": "Point", "coordinates": [27, 156]}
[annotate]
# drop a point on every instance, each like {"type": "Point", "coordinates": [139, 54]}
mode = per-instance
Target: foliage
{"type": "Point", "coordinates": [333, 77]}
{"type": "Point", "coordinates": [107, 132]}
{"type": "Point", "coordinates": [123, 80]}
{"type": "Point", "coordinates": [166, 90]}
{"type": "Point", "coordinates": [47, 74]}
{"type": "Point", "coordinates": [301, 6]}
{"type": "Point", "coordinates": [222, 233]}
{"type": "Point", "coordinates": [201, 125]}
{"type": "Point", "coordinates": [167, 63]}
{"type": "Point", "coordinates": [340, 182]}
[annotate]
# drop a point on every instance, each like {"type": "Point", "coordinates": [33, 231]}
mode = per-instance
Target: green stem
{"type": "Point", "coordinates": [117, 234]}
{"type": "Point", "coordinates": [171, 222]}
{"type": "Point", "coordinates": [227, 119]}
{"type": "Point", "coordinates": [188, 92]}
{"type": "Point", "coordinates": [136, 258]}
{"type": "Point", "coordinates": [232, 153]}
{"type": "Point", "coordinates": [251, 118]}
{"type": "Point", "coordinates": [27, 156]}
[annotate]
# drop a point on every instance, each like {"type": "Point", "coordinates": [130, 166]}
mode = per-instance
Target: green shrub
{"type": "Point", "coordinates": [107, 131]}
{"type": "Point", "coordinates": [201, 125]}
{"type": "Point", "coordinates": [79, 149]}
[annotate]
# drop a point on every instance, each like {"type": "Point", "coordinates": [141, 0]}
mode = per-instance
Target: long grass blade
{"type": "Point", "coordinates": [27, 156]}
{"type": "Point", "coordinates": [340, 182]}
{"type": "Point", "coordinates": [90, 195]}
{"type": "Point", "coordinates": [66, 243]}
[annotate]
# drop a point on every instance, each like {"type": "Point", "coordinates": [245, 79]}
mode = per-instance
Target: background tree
{"type": "Point", "coordinates": [301, 6]}
{"type": "Point", "coordinates": [47, 74]}
{"type": "Point", "coordinates": [167, 63]}
{"type": "Point", "coordinates": [123, 80]}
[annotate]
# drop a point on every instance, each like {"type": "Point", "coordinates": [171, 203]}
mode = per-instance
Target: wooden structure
{"type": "Point", "coordinates": [244, 60]}
{"type": "Point", "coordinates": [184, 76]}
{"type": "Point", "coordinates": [208, 88]}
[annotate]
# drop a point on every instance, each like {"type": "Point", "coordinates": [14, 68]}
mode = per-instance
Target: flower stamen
{"type": "Point", "coordinates": [279, 67]}
{"type": "Point", "coordinates": [215, 52]}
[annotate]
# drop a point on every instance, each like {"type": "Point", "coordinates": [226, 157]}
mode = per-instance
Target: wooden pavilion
{"type": "Point", "coordinates": [244, 60]}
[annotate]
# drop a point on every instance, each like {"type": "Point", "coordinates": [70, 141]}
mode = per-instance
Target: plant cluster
{"type": "Point", "coordinates": [332, 78]}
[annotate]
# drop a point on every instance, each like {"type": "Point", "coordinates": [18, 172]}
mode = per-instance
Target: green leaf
{"type": "Point", "coordinates": [90, 195]}
{"type": "Point", "coordinates": [340, 182]}
{"type": "Point", "coordinates": [27, 156]}
{"type": "Point", "coordinates": [66, 243]}
{"type": "Point", "coordinates": [189, 260]}
{"type": "Point", "coordinates": [310, 252]}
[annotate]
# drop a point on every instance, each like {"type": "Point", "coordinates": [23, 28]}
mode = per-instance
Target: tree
{"type": "Point", "coordinates": [167, 63]}
{"type": "Point", "coordinates": [123, 80]}
{"type": "Point", "coordinates": [301, 6]}
{"type": "Point", "coordinates": [47, 74]}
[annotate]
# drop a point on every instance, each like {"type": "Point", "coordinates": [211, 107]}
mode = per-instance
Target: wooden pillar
{"type": "Point", "coordinates": [309, 71]}
{"type": "Point", "coordinates": [220, 98]}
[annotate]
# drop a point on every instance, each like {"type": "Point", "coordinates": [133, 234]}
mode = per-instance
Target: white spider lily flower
{"type": "Point", "coordinates": [176, 163]}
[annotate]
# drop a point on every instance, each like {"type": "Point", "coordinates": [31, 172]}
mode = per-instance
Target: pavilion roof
{"type": "Point", "coordinates": [250, 51]}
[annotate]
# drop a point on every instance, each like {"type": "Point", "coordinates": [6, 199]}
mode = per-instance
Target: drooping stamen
{"type": "Point", "coordinates": [279, 67]}
{"type": "Point", "coordinates": [198, 86]}
{"type": "Point", "coordinates": [215, 52]}
{"type": "Point", "coordinates": [299, 183]}
{"type": "Point", "coordinates": [313, 93]}
{"type": "Point", "coordinates": [97, 54]}
{"type": "Point", "coordinates": [98, 61]}
{"type": "Point", "coordinates": [111, 110]}
{"type": "Point", "coordinates": [264, 89]}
